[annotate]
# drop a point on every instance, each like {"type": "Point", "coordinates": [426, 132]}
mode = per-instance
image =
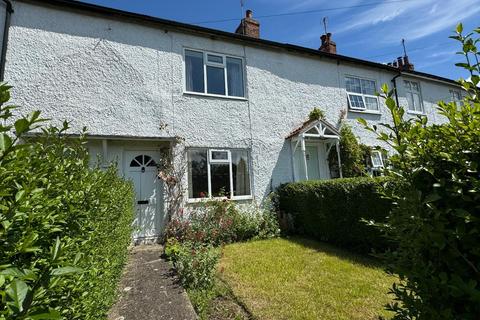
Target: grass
{"type": "Point", "coordinates": [217, 303]}
{"type": "Point", "coordinates": [303, 279]}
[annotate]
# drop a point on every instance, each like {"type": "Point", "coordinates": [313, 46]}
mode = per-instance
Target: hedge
{"type": "Point", "coordinates": [334, 210]}
{"type": "Point", "coordinates": [64, 228]}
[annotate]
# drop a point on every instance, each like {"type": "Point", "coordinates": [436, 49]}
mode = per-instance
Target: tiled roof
{"type": "Point", "coordinates": [307, 124]}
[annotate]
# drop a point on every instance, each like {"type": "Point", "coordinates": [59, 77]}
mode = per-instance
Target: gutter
{"type": "Point", "coordinates": [394, 81]}
{"type": "Point", "coordinates": [6, 28]}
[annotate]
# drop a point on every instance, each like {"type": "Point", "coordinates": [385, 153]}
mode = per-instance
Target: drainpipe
{"type": "Point", "coordinates": [6, 27]}
{"type": "Point", "coordinates": [395, 87]}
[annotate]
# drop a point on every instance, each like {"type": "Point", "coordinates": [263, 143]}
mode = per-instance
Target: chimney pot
{"type": "Point", "coordinates": [400, 62]}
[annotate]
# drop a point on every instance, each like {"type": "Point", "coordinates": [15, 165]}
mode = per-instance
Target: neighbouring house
{"type": "Point", "coordinates": [234, 102]}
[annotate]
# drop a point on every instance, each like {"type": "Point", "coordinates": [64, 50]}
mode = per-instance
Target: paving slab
{"type": "Point", "coordinates": [150, 290]}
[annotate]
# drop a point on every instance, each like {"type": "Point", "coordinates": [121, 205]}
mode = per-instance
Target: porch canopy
{"type": "Point", "coordinates": [315, 131]}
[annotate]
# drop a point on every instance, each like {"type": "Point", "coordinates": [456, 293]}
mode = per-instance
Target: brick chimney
{"type": "Point", "coordinates": [407, 65]}
{"type": "Point", "coordinates": [249, 26]}
{"type": "Point", "coordinates": [327, 44]}
{"type": "Point", "coordinates": [402, 63]}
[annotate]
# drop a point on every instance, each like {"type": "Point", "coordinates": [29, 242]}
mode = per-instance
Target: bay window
{"type": "Point", "coordinates": [215, 74]}
{"type": "Point", "coordinates": [218, 173]}
{"type": "Point", "coordinates": [361, 94]}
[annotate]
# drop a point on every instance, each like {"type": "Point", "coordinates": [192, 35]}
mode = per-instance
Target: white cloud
{"type": "Point", "coordinates": [412, 19]}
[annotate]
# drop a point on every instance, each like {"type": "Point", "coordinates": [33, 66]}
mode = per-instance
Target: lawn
{"type": "Point", "coordinates": [303, 279]}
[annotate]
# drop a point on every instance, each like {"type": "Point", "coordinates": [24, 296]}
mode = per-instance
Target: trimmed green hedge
{"type": "Point", "coordinates": [64, 228]}
{"type": "Point", "coordinates": [333, 210]}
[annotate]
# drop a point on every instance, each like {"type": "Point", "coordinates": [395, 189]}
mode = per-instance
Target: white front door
{"type": "Point", "coordinates": [311, 156]}
{"type": "Point", "coordinates": [141, 169]}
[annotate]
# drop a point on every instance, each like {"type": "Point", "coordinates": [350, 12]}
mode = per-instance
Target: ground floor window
{"type": "Point", "coordinates": [218, 173]}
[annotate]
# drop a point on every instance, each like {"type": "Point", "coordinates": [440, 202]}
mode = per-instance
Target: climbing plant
{"type": "Point", "coordinates": [353, 154]}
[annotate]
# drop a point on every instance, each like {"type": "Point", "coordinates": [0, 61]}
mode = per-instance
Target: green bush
{"type": "Point", "coordinates": [218, 222]}
{"type": "Point", "coordinates": [336, 211]}
{"type": "Point", "coordinates": [436, 221]}
{"type": "Point", "coordinates": [195, 264]}
{"type": "Point", "coordinates": [64, 228]}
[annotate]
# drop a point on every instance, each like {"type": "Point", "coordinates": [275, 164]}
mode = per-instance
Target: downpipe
{"type": "Point", "coordinates": [6, 28]}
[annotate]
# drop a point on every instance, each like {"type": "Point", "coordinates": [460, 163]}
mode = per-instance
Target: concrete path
{"type": "Point", "coordinates": [150, 290]}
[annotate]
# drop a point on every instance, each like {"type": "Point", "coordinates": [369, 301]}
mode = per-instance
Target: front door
{"type": "Point", "coordinates": [141, 169]}
{"type": "Point", "coordinates": [311, 154]}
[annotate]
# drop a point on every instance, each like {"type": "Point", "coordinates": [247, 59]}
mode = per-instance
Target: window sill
{"type": "Point", "coordinates": [364, 111]}
{"type": "Point", "coordinates": [200, 200]}
{"type": "Point", "coordinates": [417, 113]}
{"type": "Point", "coordinates": [189, 93]}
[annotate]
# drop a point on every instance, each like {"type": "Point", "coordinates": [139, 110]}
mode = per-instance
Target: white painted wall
{"type": "Point", "coordinates": [120, 78]}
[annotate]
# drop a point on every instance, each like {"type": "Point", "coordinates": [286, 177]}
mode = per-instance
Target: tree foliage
{"type": "Point", "coordinates": [436, 221]}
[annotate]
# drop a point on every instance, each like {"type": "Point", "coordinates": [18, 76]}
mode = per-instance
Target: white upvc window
{"type": "Point", "coordinates": [361, 94]}
{"type": "Point", "coordinates": [214, 74]}
{"type": "Point", "coordinates": [377, 159]}
{"type": "Point", "coordinates": [214, 173]}
{"type": "Point", "coordinates": [455, 96]}
{"type": "Point", "coordinates": [414, 96]}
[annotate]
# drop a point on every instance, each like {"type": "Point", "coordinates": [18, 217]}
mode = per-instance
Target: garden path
{"type": "Point", "coordinates": [150, 289]}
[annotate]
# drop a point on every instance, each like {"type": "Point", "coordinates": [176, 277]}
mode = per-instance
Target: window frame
{"type": "Point", "coordinates": [455, 92]}
{"type": "Point", "coordinates": [420, 96]}
{"type": "Point", "coordinates": [217, 65]}
{"type": "Point", "coordinates": [380, 156]}
{"type": "Point", "coordinates": [363, 95]}
{"type": "Point", "coordinates": [221, 161]}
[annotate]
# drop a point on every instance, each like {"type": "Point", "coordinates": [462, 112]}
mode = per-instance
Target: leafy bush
{"type": "Point", "coordinates": [334, 210]}
{"type": "Point", "coordinates": [437, 220]}
{"type": "Point", "coordinates": [64, 228]}
{"type": "Point", "coordinates": [316, 114]}
{"type": "Point", "coordinates": [219, 222]}
{"type": "Point", "coordinates": [195, 264]}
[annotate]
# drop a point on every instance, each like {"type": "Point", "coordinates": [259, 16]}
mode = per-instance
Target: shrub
{"type": "Point", "coordinates": [64, 228]}
{"type": "Point", "coordinates": [334, 210]}
{"type": "Point", "coordinates": [195, 264]}
{"type": "Point", "coordinates": [316, 114]}
{"type": "Point", "coordinates": [436, 222]}
{"type": "Point", "coordinates": [218, 222]}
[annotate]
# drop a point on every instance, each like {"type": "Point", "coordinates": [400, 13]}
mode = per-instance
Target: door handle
{"type": "Point", "coordinates": [142, 202]}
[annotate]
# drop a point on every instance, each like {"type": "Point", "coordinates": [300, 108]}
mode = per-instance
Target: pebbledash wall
{"type": "Point", "coordinates": [120, 78]}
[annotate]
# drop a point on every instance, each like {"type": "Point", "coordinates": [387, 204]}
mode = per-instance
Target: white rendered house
{"type": "Point", "coordinates": [237, 102]}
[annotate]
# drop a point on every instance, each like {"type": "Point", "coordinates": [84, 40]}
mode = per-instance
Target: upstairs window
{"type": "Point", "coordinates": [455, 96]}
{"type": "Point", "coordinates": [414, 96]}
{"type": "Point", "coordinates": [218, 173]}
{"type": "Point", "coordinates": [361, 94]}
{"type": "Point", "coordinates": [215, 74]}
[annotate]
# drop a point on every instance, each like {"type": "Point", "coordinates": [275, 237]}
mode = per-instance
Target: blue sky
{"type": "Point", "coordinates": [369, 29]}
